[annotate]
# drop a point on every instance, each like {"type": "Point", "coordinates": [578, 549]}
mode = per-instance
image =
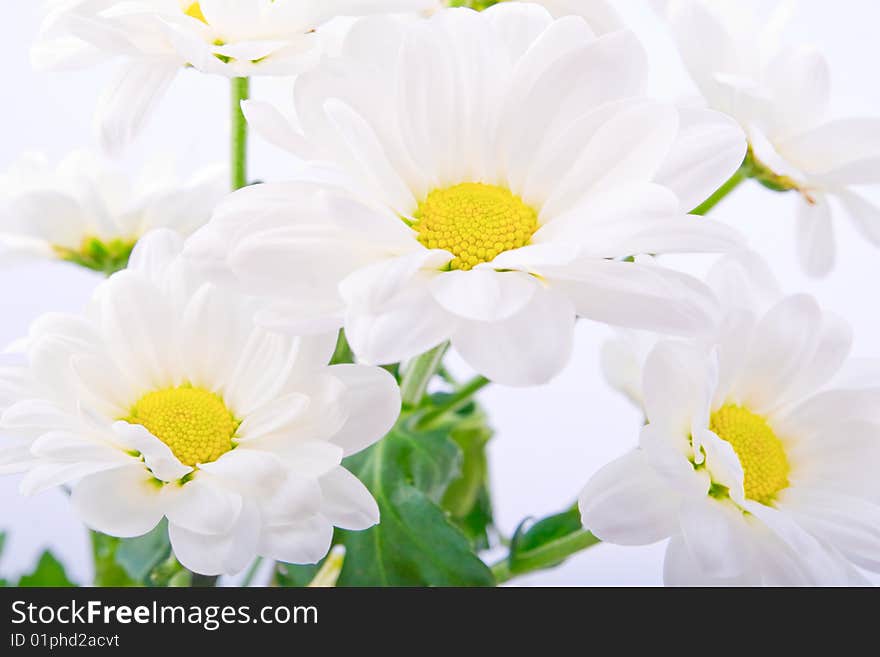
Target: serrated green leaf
{"type": "Point", "coordinates": [415, 544]}
{"type": "Point", "coordinates": [48, 572]}
{"type": "Point", "coordinates": [139, 556]}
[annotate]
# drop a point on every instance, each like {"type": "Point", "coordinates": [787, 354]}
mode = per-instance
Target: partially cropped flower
{"type": "Point", "coordinates": [759, 458]}
{"type": "Point", "coordinates": [156, 39]}
{"type": "Point", "coordinates": [90, 213]}
{"type": "Point", "coordinates": [165, 400]}
{"type": "Point", "coordinates": [779, 92]}
{"type": "Point", "coordinates": [484, 176]}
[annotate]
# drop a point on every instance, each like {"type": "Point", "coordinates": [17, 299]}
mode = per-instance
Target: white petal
{"type": "Point", "coordinates": [843, 151]}
{"type": "Point", "coordinates": [304, 542]}
{"type": "Point", "coordinates": [125, 106]}
{"type": "Point", "coordinates": [224, 554]}
{"type": "Point", "coordinates": [121, 502]}
{"type": "Point", "coordinates": [347, 502]}
{"type": "Point", "coordinates": [275, 128]}
{"type": "Point", "coordinates": [628, 504]}
{"type": "Point", "coordinates": [415, 324]}
{"type": "Point", "coordinates": [709, 149]}
{"type": "Point", "coordinates": [371, 401]}
{"type": "Point", "coordinates": [158, 457]}
{"type": "Point", "coordinates": [203, 506]}
{"type": "Point", "coordinates": [675, 379]}
{"type": "Point", "coordinates": [716, 536]}
{"type": "Point", "coordinates": [638, 296]}
{"type": "Point", "coordinates": [815, 237]}
{"type": "Point", "coordinates": [850, 524]}
{"type": "Point", "coordinates": [819, 566]}
{"type": "Point", "coordinates": [483, 294]}
{"type": "Point", "coordinates": [864, 214]}
{"type": "Point", "coordinates": [529, 348]}
{"type": "Point", "coordinates": [785, 340]}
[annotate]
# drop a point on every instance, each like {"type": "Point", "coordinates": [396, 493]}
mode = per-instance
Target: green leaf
{"type": "Point", "coordinates": [292, 575]}
{"type": "Point", "coordinates": [548, 542]}
{"type": "Point", "coordinates": [139, 556]}
{"type": "Point", "coordinates": [107, 571]}
{"type": "Point", "coordinates": [49, 572]}
{"type": "Point", "coordinates": [415, 544]}
{"type": "Point", "coordinates": [467, 497]}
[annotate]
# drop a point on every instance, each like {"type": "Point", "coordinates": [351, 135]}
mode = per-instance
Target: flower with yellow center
{"type": "Point", "coordinates": [178, 405]}
{"type": "Point", "coordinates": [87, 212]}
{"type": "Point", "coordinates": [755, 466]}
{"type": "Point", "coordinates": [193, 422]}
{"type": "Point", "coordinates": [482, 178]}
{"type": "Point", "coordinates": [760, 452]}
{"type": "Point", "coordinates": [475, 222]}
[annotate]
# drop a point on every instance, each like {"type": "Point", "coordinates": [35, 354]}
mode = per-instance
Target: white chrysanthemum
{"type": "Point", "coordinates": [88, 212]}
{"type": "Point", "coordinates": [166, 400]}
{"type": "Point", "coordinates": [759, 458]}
{"type": "Point", "coordinates": [485, 175]}
{"type": "Point", "coordinates": [780, 94]}
{"type": "Point", "coordinates": [157, 38]}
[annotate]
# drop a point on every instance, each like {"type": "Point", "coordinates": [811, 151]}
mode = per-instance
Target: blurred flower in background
{"type": "Point", "coordinates": [780, 92]}
{"type": "Point", "coordinates": [89, 212]}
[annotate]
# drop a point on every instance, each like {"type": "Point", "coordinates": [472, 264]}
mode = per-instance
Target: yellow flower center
{"type": "Point", "coordinates": [474, 222]}
{"type": "Point", "coordinates": [195, 10]}
{"type": "Point", "coordinates": [761, 453]}
{"type": "Point", "coordinates": [193, 422]}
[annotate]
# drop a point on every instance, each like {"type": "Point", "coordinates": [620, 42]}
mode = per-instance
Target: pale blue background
{"type": "Point", "coordinates": [549, 440]}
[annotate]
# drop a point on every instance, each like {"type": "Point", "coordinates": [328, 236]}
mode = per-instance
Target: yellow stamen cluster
{"type": "Point", "coordinates": [193, 422]}
{"type": "Point", "coordinates": [474, 222]}
{"type": "Point", "coordinates": [761, 453]}
{"type": "Point", "coordinates": [195, 10]}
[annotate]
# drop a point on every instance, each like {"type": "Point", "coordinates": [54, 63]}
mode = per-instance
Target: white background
{"type": "Point", "coordinates": [549, 440]}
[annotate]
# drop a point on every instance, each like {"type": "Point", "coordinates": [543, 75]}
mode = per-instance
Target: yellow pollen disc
{"type": "Point", "coordinates": [474, 222]}
{"type": "Point", "coordinates": [195, 11]}
{"type": "Point", "coordinates": [760, 452]}
{"type": "Point", "coordinates": [193, 422]}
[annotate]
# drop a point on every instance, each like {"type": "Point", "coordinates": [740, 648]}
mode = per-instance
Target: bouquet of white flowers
{"type": "Point", "coordinates": [261, 379]}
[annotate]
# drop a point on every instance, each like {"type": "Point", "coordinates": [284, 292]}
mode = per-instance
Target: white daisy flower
{"type": "Point", "coordinates": [90, 213]}
{"type": "Point", "coordinates": [780, 94]}
{"type": "Point", "coordinates": [759, 458]}
{"type": "Point", "coordinates": [165, 400]}
{"type": "Point", "coordinates": [156, 39]}
{"type": "Point", "coordinates": [485, 175]}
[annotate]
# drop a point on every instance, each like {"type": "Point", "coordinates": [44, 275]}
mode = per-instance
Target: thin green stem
{"type": "Point", "coordinates": [419, 373]}
{"type": "Point", "coordinates": [240, 91]}
{"type": "Point", "coordinates": [546, 556]}
{"type": "Point", "coordinates": [252, 572]}
{"type": "Point", "coordinates": [455, 401]}
{"type": "Point", "coordinates": [742, 174]}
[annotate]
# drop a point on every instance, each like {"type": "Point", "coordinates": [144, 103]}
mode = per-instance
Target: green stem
{"type": "Point", "coordinates": [419, 373]}
{"type": "Point", "coordinates": [252, 572]}
{"type": "Point", "coordinates": [455, 401]}
{"type": "Point", "coordinates": [240, 92]}
{"type": "Point", "coordinates": [743, 173]}
{"type": "Point", "coordinates": [548, 555]}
